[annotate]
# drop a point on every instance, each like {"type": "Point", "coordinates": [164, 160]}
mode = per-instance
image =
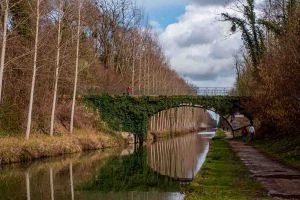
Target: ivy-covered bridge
{"type": "Point", "coordinates": [131, 114]}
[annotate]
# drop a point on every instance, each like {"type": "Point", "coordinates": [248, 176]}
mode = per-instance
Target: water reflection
{"type": "Point", "coordinates": [52, 178]}
{"type": "Point", "coordinates": [135, 196]}
{"type": "Point", "coordinates": [51, 183]}
{"type": "Point", "coordinates": [27, 185]}
{"type": "Point", "coordinates": [147, 174]}
{"type": "Point", "coordinates": [71, 181]}
{"type": "Point", "coordinates": [131, 173]}
{"type": "Point", "coordinates": [179, 158]}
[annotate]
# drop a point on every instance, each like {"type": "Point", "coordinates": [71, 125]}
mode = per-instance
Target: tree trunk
{"type": "Point", "coordinates": [145, 74]}
{"type": "Point", "coordinates": [133, 68]}
{"type": "Point", "coordinates": [148, 79]}
{"type": "Point", "coordinates": [158, 81]}
{"type": "Point", "coordinates": [3, 47]}
{"type": "Point", "coordinates": [153, 84]}
{"type": "Point", "coordinates": [76, 68]}
{"type": "Point", "coordinates": [34, 69]}
{"type": "Point", "coordinates": [140, 73]}
{"type": "Point", "coordinates": [56, 71]}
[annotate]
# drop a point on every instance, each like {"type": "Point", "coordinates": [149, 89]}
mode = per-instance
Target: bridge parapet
{"type": "Point", "coordinates": [214, 91]}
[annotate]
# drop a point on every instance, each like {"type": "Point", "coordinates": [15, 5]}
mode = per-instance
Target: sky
{"type": "Point", "coordinates": [198, 45]}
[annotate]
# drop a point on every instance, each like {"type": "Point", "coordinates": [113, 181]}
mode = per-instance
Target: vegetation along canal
{"type": "Point", "coordinates": [155, 171]}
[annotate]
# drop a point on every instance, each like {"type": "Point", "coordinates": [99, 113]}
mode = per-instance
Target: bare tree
{"type": "Point", "coordinates": [29, 119]}
{"type": "Point", "coordinates": [76, 67]}
{"type": "Point", "coordinates": [140, 69]}
{"type": "Point", "coordinates": [133, 66]}
{"type": "Point", "coordinates": [4, 39]}
{"type": "Point", "coordinates": [57, 68]}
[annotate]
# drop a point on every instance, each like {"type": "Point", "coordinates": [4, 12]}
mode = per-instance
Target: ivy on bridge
{"type": "Point", "coordinates": [131, 114]}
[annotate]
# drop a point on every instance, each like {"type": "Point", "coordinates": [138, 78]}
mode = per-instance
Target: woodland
{"type": "Point", "coordinates": [53, 52]}
{"type": "Point", "coordinates": [268, 69]}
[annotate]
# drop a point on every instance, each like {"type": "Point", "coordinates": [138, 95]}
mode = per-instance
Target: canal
{"type": "Point", "coordinates": [154, 172]}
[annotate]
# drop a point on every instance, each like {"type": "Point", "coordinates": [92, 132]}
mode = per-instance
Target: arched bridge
{"type": "Point", "coordinates": [131, 114]}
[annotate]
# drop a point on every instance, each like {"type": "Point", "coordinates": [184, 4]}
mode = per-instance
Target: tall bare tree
{"type": "Point", "coordinates": [133, 66]}
{"type": "Point", "coordinates": [60, 15]}
{"type": "Point", "coordinates": [29, 119]}
{"type": "Point", "coordinates": [4, 39]}
{"type": "Point", "coordinates": [76, 67]}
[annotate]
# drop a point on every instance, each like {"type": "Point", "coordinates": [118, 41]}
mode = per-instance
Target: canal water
{"type": "Point", "coordinates": [154, 172]}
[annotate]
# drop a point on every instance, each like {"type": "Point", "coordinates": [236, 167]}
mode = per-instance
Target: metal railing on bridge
{"type": "Point", "coordinates": [215, 91]}
{"type": "Point", "coordinates": [202, 91]}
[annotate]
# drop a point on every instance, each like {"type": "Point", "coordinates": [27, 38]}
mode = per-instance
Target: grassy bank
{"type": "Point", "coordinates": [284, 148]}
{"type": "Point", "coordinates": [17, 149]}
{"type": "Point", "coordinates": [223, 176]}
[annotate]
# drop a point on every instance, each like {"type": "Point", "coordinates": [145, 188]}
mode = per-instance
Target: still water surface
{"type": "Point", "coordinates": [154, 172]}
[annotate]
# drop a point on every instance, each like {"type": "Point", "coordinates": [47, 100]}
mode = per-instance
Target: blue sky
{"type": "Point", "coordinates": [200, 47]}
{"type": "Point", "coordinates": [165, 12]}
{"type": "Point", "coordinates": [165, 15]}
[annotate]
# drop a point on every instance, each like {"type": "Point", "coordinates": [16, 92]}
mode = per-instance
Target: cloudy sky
{"type": "Point", "coordinates": [200, 47]}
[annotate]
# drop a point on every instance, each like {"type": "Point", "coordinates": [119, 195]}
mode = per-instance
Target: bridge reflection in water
{"type": "Point", "coordinates": [179, 158]}
{"type": "Point", "coordinates": [143, 175]}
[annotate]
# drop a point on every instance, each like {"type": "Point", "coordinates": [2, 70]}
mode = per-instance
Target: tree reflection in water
{"type": "Point", "coordinates": [149, 173]}
{"type": "Point", "coordinates": [179, 157]}
{"type": "Point", "coordinates": [131, 173]}
{"type": "Point", "coordinates": [161, 166]}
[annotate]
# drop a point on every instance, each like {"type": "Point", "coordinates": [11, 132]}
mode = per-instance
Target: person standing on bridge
{"type": "Point", "coordinates": [252, 132]}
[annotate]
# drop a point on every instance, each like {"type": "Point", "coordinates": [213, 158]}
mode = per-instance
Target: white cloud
{"type": "Point", "coordinates": [156, 27]}
{"type": "Point", "coordinates": [210, 2]}
{"type": "Point", "coordinates": [159, 3]}
{"type": "Point", "coordinates": [199, 46]}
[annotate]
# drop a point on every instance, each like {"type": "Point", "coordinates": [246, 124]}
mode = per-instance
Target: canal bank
{"type": "Point", "coordinates": [224, 176]}
{"type": "Point", "coordinates": [14, 149]}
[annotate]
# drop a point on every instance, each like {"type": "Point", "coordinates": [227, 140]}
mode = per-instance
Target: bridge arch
{"type": "Point", "coordinates": [199, 106]}
{"type": "Point", "coordinates": [131, 113]}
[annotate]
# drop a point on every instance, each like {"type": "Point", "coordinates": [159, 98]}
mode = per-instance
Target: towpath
{"type": "Point", "coordinates": [281, 181]}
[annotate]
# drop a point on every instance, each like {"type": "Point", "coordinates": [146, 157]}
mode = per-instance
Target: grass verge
{"type": "Point", "coordinates": [17, 149]}
{"type": "Point", "coordinates": [285, 149]}
{"type": "Point", "coordinates": [223, 176]}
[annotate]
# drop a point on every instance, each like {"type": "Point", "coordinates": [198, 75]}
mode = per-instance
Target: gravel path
{"type": "Point", "coordinates": [280, 181]}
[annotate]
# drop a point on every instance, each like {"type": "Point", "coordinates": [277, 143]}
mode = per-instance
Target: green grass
{"type": "Point", "coordinates": [285, 148]}
{"type": "Point", "coordinates": [220, 134]}
{"type": "Point", "coordinates": [223, 176]}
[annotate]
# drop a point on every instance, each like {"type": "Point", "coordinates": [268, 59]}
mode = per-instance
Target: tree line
{"type": "Point", "coordinates": [53, 51]}
{"type": "Point", "coordinates": [268, 70]}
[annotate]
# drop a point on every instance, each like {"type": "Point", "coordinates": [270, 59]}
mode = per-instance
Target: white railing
{"type": "Point", "coordinates": [214, 91]}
